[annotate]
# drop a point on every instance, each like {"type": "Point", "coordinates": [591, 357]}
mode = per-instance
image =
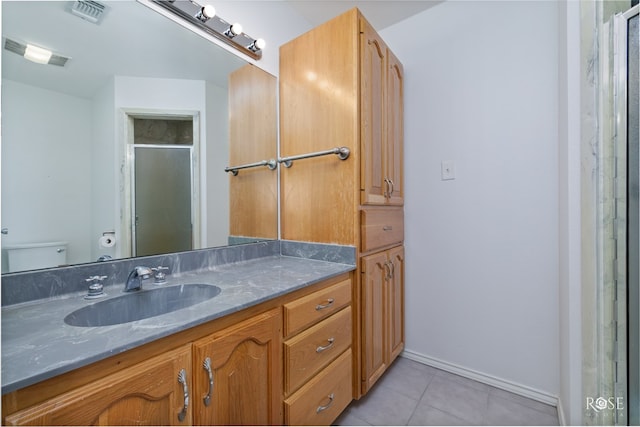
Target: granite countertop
{"type": "Point", "coordinates": [37, 344]}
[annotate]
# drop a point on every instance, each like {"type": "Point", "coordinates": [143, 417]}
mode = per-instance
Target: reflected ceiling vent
{"type": "Point", "coordinates": [41, 56]}
{"type": "Point", "coordinates": [89, 10]}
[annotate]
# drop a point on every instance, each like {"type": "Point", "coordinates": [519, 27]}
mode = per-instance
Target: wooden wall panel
{"type": "Point", "coordinates": [319, 93]}
{"type": "Point", "coordinates": [253, 134]}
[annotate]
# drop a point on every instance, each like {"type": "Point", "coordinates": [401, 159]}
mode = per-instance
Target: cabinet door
{"type": "Point", "coordinates": [145, 394]}
{"type": "Point", "coordinates": [396, 302]}
{"type": "Point", "coordinates": [395, 129]}
{"type": "Point", "coordinates": [373, 113]}
{"type": "Point", "coordinates": [375, 272]}
{"type": "Point", "coordinates": [245, 386]}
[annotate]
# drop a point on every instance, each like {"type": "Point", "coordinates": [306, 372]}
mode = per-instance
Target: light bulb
{"type": "Point", "coordinates": [233, 30]}
{"type": "Point", "coordinates": [236, 29]}
{"type": "Point", "coordinates": [37, 54]}
{"type": "Point", "coordinates": [257, 45]}
{"type": "Point", "coordinates": [207, 12]}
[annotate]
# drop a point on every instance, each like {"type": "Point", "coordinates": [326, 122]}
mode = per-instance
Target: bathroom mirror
{"type": "Point", "coordinates": [120, 151]}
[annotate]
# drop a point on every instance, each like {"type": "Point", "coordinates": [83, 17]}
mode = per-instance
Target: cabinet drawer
{"type": "Point", "coordinates": [310, 351]}
{"type": "Point", "coordinates": [382, 227]}
{"type": "Point", "coordinates": [307, 310]}
{"type": "Point", "coordinates": [321, 400]}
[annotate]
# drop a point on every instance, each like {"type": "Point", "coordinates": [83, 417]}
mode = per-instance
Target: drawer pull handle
{"type": "Point", "coordinates": [327, 305]}
{"type": "Point", "coordinates": [325, 407]}
{"type": "Point", "coordinates": [321, 348]}
{"type": "Point", "coordinates": [182, 379]}
{"type": "Point", "coordinates": [207, 367]}
{"type": "Point", "coordinates": [387, 228]}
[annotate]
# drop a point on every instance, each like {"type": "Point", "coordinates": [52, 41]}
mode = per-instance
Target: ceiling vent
{"type": "Point", "coordinates": [89, 10]}
{"type": "Point", "coordinates": [20, 48]}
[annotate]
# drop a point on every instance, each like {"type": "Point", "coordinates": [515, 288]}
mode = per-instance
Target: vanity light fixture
{"type": "Point", "coordinates": [233, 30]}
{"type": "Point", "coordinates": [204, 18]}
{"type": "Point", "coordinates": [205, 13]}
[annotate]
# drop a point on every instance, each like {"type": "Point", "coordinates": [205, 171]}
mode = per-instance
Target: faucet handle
{"type": "Point", "coordinates": [96, 289]}
{"type": "Point", "coordinates": [160, 278]}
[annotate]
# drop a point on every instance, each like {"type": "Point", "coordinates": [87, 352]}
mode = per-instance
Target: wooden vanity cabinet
{"type": "Point", "coordinates": [318, 361]}
{"type": "Point", "coordinates": [381, 124]}
{"type": "Point", "coordinates": [148, 393]}
{"type": "Point", "coordinates": [247, 364]}
{"type": "Point", "coordinates": [237, 375]}
{"type": "Point", "coordinates": [341, 85]}
{"type": "Point", "coordinates": [383, 308]}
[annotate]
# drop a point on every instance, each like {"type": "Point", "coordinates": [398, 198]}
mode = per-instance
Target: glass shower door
{"type": "Point", "coordinates": [162, 199]}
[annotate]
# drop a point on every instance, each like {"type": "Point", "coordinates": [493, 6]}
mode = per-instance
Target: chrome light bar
{"type": "Point", "coordinates": [204, 18]}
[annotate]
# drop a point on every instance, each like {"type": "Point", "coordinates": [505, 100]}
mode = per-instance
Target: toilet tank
{"type": "Point", "coordinates": [31, 256]}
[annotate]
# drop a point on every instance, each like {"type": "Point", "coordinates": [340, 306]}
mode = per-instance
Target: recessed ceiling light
{"type": "Point", "coordinates": [37, 54]}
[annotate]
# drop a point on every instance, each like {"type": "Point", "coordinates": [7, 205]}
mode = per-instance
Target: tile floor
{"type": "Point", "coordinates": [411, 393]}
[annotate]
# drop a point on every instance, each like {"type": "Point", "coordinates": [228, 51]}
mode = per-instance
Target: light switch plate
{"type": "Point", "coordinates": [448, 170]}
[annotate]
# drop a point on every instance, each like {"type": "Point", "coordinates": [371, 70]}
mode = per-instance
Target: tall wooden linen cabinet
{"type": "Point", "coordinates": [340, 85]}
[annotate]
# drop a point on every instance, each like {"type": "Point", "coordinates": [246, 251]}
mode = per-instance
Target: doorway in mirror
{"type": "Point", "coordinates": [161, 172]}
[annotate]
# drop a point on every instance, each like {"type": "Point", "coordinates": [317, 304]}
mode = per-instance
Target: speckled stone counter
{"type": "Point", "coordinates": [37, 344]}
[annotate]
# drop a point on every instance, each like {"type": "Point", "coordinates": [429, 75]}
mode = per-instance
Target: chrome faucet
{"type": "Point", "coordinates": [134, 281]}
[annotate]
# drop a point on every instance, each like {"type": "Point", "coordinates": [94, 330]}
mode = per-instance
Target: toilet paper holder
{"type": "Point", "coordinates": [108, 239]}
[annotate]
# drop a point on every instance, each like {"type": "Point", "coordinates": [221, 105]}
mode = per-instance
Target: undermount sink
{"type": "Point", "coordinates": [142, 304]}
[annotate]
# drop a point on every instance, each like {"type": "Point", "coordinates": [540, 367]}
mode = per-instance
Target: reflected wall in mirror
{"type": "Point", "coordinates": [69, 151]}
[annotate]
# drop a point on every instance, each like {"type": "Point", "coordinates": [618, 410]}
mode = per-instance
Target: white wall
{"type": "Point", "coordinates": [570, 298]}
{"type": "Point", "coordinates": [217, 158]}
{"type": "Point", "coordinates": [104, 171]}
{"type": "Point", "coordinates": [44, 189]}
{"type": "Point", "coordinates": [482, 250]}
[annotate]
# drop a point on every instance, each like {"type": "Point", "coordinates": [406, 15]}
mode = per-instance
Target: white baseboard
{"type": "Point", "coordinates": [491, 380]}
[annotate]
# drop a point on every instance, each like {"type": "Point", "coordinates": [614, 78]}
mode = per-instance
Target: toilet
{"type": "Point", "coordinates": [31, 256]}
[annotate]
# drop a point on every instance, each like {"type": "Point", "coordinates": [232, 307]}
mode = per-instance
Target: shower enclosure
{"type": "Point", "coordinates": [633, 228]}
{"type": "Point", "coordinates": [625, 79]}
